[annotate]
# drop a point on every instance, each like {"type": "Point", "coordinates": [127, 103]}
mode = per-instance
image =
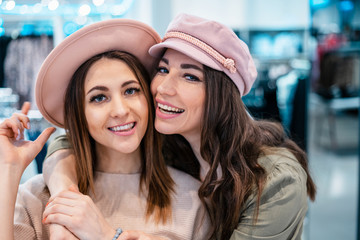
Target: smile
{"type": "Point", "coordinates": [169, 110]}
{"type": "Point", "coordinates": [123, 128]}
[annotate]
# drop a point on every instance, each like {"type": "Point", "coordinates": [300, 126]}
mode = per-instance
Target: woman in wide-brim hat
{"type": "Point", "coordinates": [95, 84]}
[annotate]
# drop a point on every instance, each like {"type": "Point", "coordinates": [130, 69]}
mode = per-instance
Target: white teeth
{"type": "Point", "coordinates": [167, 109]}
{"type": "Point", "coordinates": [123, 128]}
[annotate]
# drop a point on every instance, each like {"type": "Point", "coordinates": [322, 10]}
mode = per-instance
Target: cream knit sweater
{"type": "Point", "coordinates": [118, 198]}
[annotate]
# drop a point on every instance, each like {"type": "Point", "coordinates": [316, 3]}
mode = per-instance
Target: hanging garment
{"type": "Point", "coordinates": [4, 42]}
{"type": "Point", "coordinates": [22, 63]}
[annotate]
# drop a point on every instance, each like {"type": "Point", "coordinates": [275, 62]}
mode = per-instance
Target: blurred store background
{"type": "Point", "coordinates": [307, 55]}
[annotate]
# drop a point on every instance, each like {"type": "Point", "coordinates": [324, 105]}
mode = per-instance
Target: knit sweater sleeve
{"type": "Point", "coordinates": [283, 203]}
{"type": "Point", "coordinates": [30, 204]}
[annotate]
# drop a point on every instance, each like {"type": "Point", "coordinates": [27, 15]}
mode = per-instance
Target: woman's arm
{"type": "Point", "coordinates": [59, 171]}
{"type": "Point", "coordinates": [9, 182]}
{"type": "Point", "coordinates": [59, 166]}
{"type": "Point", "coordinates": [59, 175]}
{"type": "Point", "coordinates": [15, 155]}
{"type": "Point", "coordinates": [78, 213]}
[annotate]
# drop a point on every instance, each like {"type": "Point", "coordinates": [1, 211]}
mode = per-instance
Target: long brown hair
{"type": "Point", "coordinates": [232, 139]}
{"type": "Point", "coordinates": [155, 180]}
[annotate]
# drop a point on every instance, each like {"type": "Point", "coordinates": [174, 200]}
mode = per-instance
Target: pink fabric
{"type": "Point", "coordinates": [226, 62]}
{"type": "Point", "coordinates": [213, 45]}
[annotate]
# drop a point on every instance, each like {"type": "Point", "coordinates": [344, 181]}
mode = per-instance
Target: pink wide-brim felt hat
{"type": "Point", "coordinates": [212, 44]}
{"type": "Point", "coordinates": [116, 34]}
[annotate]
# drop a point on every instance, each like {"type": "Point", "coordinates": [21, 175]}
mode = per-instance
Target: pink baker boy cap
{"type": "Point", "coordinates": [116, 34]}
{"type": "Point", "coordinates": [211, 44]}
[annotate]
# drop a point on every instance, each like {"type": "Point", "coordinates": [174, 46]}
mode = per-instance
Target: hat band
{"type": "Point", "coordinates": [226, 62]}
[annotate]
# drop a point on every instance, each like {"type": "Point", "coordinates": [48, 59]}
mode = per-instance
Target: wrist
{"type": "Point", "coordinates": [11, 172]}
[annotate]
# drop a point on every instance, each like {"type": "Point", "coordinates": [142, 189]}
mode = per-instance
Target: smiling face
{"type": "Point", "coordinates": [179, 92]}
{"type": "Point", "coordinates": [116, 109]}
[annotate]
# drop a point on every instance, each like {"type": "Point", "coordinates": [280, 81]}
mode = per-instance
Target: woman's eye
{"type": "Point", "coordinates": [192, 78]}
{"type": "Point", "coordinates": [98, 98]}
{"type": "Point", "coordinates": [162, 70]}
{"type": "Point", "coordinates": [132, 91]}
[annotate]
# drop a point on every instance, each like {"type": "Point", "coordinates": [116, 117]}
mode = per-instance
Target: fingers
{"type": "Point", "coordinates": [25, 108]}
{"type": "Point", "coordinates": [59, 218]}
{"type": "Point", "coordinates": [7, 132]}
{"type": "Point", "coordinates": [44, 136]}
{"type": "Point", "coordinates": [11, 127]}
{"type": "Point", "coordinates": [64, 203]}
{"type": "Point", "coordinates": [64, 197]}
{"type": "Point", "coordinates": [74, 188]}
{"type": "Point", "coordinates": [67, 200]}
{"type": "Point", "coordinates": [14, 126]}
{"type": "Point", "coordinates": [58, 209]}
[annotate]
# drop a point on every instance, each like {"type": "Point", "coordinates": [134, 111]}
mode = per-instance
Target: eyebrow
{"type": "Point", "coordinates": [103, 88]}
{"type": "Point", "coordinates": [184, 65]}
{"type": "Point", "coordinates": [164, 60]}
{"type": "Point", "coordinates": [187, 66]}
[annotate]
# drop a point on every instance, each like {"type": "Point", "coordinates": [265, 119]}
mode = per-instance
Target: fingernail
{"type": "Point", "coordinates": [47, 204]}
{"type": "Point", "coordinates": [43, 221]}
{"type": "Point", "coordinates": [18, 135]}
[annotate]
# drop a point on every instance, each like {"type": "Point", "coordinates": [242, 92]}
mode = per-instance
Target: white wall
{"type": "Point", "coordinates": [244, 14]}
{"type": "Point", "coordinates": [278, 14]}
{"type": "Point", "coordinates": [229, 12]}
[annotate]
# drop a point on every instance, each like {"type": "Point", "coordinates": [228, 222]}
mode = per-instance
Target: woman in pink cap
{"type": "Point", "coordinates": [95, 84]}
{"type": "Point", "coordinates": [255, 180]}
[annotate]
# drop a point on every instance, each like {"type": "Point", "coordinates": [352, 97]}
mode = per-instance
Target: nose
{"type": "Point", "coordinates": [164, 85]}
{"type": "Point", "coordinates": [119, 107]}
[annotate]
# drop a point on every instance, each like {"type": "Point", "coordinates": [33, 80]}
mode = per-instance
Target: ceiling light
{"type": "Point", "coordinates": [98, 2]}
{"type": "Point", "coordinates": [10, 5]}
{"type": "Point", "coordinates": [53, 4]}
{"type": "Point", "coordinates": [84, 10]}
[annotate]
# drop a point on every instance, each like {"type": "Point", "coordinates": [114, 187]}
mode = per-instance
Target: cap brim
{"type": "Point", "coordinates": [115, 34]}
{"type": "Point", "coordinates": [186, 48]}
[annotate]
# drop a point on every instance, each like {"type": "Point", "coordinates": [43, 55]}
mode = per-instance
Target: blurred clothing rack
{"type": "Point", "coordinates": [338, 87]}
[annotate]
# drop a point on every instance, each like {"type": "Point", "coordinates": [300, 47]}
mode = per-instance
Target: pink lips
{"type": "Point", "coordinates": [125, 132]}
{"type": "Point", "coordinates": [163, 115]}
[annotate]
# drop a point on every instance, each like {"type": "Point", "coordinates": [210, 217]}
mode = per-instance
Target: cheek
{"type": "Point", "coordinates": [93, 118]}
{"type": "Point", "coordinates": [145, 114]}
{"type": "Point", "coordinates": [154, 85]}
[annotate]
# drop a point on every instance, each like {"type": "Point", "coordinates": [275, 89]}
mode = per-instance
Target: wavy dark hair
{"type": "Point", "coordinates": [155, 180]}
{"type": "Point", "coordinates": [232, 139]}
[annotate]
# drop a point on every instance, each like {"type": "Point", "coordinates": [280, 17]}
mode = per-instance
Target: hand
{"type": "Point", "coordinates": [138, 235]}
{"type": "Point", "coordinates": [14, 150]}
{"type": "Point", "coordinates": [79, 214]}
{"type": "Point", "coordinates": [58, 232]}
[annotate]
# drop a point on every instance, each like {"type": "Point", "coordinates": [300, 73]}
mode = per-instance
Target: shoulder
{"type": "Point", "coordinates": [281, 165]}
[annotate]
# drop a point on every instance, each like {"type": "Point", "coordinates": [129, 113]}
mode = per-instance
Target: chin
{"type": "Point", "coordinates": [165, 130]}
